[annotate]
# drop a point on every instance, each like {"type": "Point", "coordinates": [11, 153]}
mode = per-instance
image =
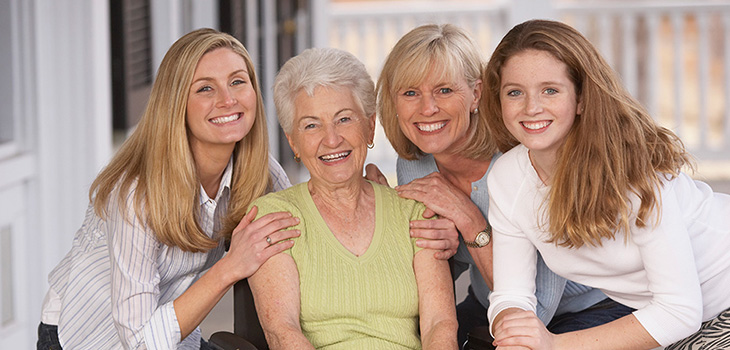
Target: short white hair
{"type": "Point", "coordinates": [326, 67]}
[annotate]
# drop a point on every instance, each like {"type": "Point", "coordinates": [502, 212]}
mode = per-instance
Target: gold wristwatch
{"type": "Point", "coordinates": [483, 238]}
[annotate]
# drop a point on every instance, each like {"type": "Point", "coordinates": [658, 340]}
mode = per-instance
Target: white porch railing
{"type": "Point", "coordinates": [673, 56]}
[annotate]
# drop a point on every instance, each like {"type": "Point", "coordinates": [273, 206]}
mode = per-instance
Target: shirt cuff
{"type": "Point", "coordinates": [162, 331]}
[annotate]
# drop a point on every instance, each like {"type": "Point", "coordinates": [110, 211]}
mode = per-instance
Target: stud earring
{"type": "Point", "coordinates": [476, 110]}
{"type": "Point", "coordinates": [297, 159]}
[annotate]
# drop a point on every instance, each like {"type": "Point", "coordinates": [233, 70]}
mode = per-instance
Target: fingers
{"type": "Point", "coordinates": [437, 234]}
{"type": "Point", "coordinates": [372, 173]}
{"type": "Point", "coordinates": [281, 236]}
{"type": "Point", "coordinates": [521, 329]}
{"type": "Point", "coordinates": [428, 213]}
{"type": "Point", "coordinates": [444, 254]}
{"type": "Point", "coordinates": [247, 219]}
{"type": "Point", "coordinates": [271, 222]}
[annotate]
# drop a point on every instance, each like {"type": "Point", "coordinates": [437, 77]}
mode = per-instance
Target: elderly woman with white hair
{"type": "Point", "coordinates": [355, 278]}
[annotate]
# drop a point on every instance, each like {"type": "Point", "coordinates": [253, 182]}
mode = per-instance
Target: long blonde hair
{"type": "Point", "coordinates": [410, 61]}
{"type": "Point", "coordinates": [613, 149]}
{"type": "Point", "coordinates": [158, 158]}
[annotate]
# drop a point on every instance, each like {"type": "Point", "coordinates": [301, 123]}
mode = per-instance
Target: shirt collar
{"type": "Point", "coordinates": [225, 184]}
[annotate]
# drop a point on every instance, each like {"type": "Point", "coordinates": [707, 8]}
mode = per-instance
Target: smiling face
{"type": "Point", "coordinates": [539, 101]}
{"type": "Point", "coordinates": [221, 103]}
{"type": "Point", "coordinates": [436, 114]}
{"type": "Point", "coordinates": [330, 134]}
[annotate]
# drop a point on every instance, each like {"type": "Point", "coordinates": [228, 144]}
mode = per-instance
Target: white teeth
{"type": "Point", "coordinates": [430, 127]}
{"type": "Point", "coordinates": [536, 125]}
{"type": "Point", "coordinates": [334, 156]}
{"type": "Point", "coordinates": [222, 120]}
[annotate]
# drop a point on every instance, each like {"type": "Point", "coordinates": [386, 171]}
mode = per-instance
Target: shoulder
{"type": "Point", "coordinates": [393, 203]}
{"type": "Point", "coordinates": [509, 168]}
{"type": "Point", "coordinates": [409, 170]}
{"type": "Point", "coordinates": [285, 200]}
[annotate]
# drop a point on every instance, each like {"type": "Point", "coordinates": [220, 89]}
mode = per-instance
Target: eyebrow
{"type": "Point", "coordinates": [230, 75]}
{"type": "Point", "coordinates": [334, 115]}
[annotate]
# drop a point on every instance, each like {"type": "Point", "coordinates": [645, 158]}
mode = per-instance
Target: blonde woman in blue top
{"type": "Point", "coordinates": [163, 208]}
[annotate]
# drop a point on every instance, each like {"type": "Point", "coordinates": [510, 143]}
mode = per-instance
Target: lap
{"type": "Point", "coordinates": [600, 313]}
{"type": "Point", "coordinates": [714, 334]}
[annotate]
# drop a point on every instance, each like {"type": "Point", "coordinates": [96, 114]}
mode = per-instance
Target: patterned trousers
{"type": "Point", "coordinates": [713, 335]}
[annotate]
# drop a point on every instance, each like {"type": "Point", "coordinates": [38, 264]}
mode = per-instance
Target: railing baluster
{"type": "Point", "coordinates": [678, 68]}
{"type": "Point", "coordinates": [653, 24]}
{"type": "Point", "coordinates": [629, 62]}
{"type": "Point", "coordinates": [703, 79]}
{"type": "Point", "coordinates": [726, 82]}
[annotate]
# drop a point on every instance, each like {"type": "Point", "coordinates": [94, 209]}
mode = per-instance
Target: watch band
{"type": "Point", "coordinates": [482, 238]}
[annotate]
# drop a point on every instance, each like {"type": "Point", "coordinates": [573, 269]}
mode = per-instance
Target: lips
{"type": "Point", "coordinates": [333, 157]}
{"type": "Point", "coordinates": [536, 125]}
{"type": "Point", "coordinates": [226, 119]}
{"type": "Point", "coordinates": [430, 127]}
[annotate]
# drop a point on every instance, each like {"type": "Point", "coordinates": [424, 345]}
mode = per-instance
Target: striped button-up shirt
{"type": "Point", "coordinates": [116, 287]}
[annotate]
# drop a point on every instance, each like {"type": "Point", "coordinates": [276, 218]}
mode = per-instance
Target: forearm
{"type": "Point", "coordinates": [286, 337]}
{"type": "Point", "coordinates": [624, 333]}
{"type": "Point", "coordinates": [435, 302]}
{"type": "Point", "coordinates": [195, 303]}
{"type": "Point", "coordinates": [483, 260]}
{"type": "Point", "coordinates": [440, 336]}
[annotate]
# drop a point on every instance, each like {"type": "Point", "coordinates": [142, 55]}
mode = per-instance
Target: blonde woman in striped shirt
{"type": "Point", "coordinates": [163, 209]}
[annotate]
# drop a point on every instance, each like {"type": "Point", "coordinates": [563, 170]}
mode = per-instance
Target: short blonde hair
{"type": "Point", "coordinates": [325, 67]}
{"type": "Point", "coordinates": [447, 48]}
{"type": "Point", "coordinates": [158, 158]}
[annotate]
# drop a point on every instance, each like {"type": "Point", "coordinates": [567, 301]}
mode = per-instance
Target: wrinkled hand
{"type": "Point", "coordinates": [443, 198]}
{"type": "Point", "coordinates": [249, 247]}
{"type": "Point", "coordinates": [522, 330]}
{"type": "Point", "coordinates": [374, 174]}
{"type": "Point", "coordinates": [440, 235]}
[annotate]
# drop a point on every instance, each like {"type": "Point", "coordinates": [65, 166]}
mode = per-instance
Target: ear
{"type": "Point", "coordinates": [291, 144]}
{"type": "Point", "coordinates": [371, 123]}
{"type": "Point", "coordinates": [579, 106]}
{"type": "Point", "coordinates": [477, 95]}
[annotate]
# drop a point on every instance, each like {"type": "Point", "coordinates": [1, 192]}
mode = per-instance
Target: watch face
{"type": "Point", "coordinates": [482, 239]}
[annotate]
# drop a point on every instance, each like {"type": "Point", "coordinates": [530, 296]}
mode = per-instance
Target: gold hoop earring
{"type": "Point", "coordinates": [371, 145]}
{"type": "Point", "coordinates": [297, 159]}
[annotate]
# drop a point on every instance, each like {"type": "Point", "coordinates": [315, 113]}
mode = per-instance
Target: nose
{"type": "Point", "coordinates": [332, 137]}
{"type": "Point", "coordinates": [429, 105]}
{"type": "Point", "coordinates": [226, 98]}
{"type": "Point", "coordinates": [533, 105]}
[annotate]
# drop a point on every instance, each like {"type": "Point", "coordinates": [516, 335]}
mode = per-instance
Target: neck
{"type": "Point", "coordinates": [544, 165]}
{"type": "Point", "coordinates": [210, 167]}
{"type": "Point", "coordinates": [343, 197]}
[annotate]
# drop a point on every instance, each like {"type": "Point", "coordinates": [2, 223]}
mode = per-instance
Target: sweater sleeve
{"type": "Point", "coordinates": [675, 310]}
{"type": "Point", "coordinates": [548, 291]}
{"type": "Point", "coordinates": [514, 256]}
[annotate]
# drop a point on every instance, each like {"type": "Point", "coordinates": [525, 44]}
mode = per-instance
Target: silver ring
{"type": "Point", "coordinates": [268, 240]}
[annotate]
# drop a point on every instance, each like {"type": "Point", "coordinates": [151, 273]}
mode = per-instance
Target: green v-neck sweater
{"type": "Point", "coordinates": [350, 302]}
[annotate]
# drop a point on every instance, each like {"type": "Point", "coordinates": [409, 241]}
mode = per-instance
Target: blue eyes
{"type": "Point", "coordinates": [235, 82]}
{"type": "Point", "coordinates": [515, 93]}
{"type": "Point", "coordinates": [444, 90]}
